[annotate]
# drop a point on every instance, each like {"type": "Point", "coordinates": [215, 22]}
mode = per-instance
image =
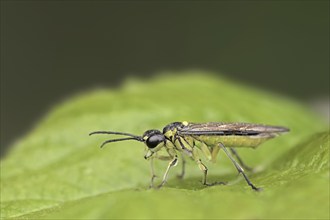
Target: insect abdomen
{"type": "Point", "coordinates": [235, 141]}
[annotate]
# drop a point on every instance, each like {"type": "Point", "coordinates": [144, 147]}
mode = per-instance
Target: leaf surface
{"type": "Point", "coordinates": [58, 171]}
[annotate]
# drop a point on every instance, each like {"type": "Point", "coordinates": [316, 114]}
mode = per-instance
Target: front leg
{"type": "Point", "coordinates": [153, 176]}
{"type": "Point", "coordinates": [160, 157]}
{"type": "Point", "coordinates": [172, 163]}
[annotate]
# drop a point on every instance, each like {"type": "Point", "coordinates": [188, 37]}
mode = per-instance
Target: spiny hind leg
{"type": "Point", "coordinates": [240, 161]}
{"type": "Point", "coordinates": [203, 168]}
{"type": "Point", "coordinates": [238, 167]}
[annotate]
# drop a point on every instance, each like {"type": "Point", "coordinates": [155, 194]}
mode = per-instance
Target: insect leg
{"type": "Point", "coordinates": [239, 168]}
{"type": "Point", "coordinates": [183, 171]}
{"type": "Point", "coordinates": [214, 153]}
{"type": "Point", "coordinates": [172, 163]}
{"type": "Point", "coordinates": [240, 161]}
{"type": "Point", "coordinates": [203, 168]}
{"type": "Point", "coordinates": [153, 176]}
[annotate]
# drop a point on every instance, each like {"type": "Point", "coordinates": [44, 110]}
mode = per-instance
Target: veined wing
{"type": "Point", "coordinates": [237, 129]}
{"type": "Point", "coordinates": [231, 134]}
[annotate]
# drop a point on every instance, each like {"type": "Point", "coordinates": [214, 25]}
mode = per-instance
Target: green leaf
{"type": "Point", "coordinates": [58, 171]}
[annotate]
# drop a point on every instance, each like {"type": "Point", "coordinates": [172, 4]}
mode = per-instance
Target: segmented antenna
{"type": "Point", "coordinates": [131, 137]}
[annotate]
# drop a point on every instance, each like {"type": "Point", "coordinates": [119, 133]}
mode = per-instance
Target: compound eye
{"type": "Point", "coordinates": [154, 140]}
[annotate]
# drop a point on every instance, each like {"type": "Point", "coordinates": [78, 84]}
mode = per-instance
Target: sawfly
{"type": "Point", "coordinates": [184, 139]}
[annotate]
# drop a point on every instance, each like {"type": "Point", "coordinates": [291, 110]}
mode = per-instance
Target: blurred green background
{"type": "Point", "coordinates": [51, 50]}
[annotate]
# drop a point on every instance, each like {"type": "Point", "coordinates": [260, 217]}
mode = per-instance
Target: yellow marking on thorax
{"type": "Point", "coordinates": [170, 134]}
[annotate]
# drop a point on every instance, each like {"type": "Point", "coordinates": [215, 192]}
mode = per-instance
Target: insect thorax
{"type": "Point", "coordinates": [170, 130]}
